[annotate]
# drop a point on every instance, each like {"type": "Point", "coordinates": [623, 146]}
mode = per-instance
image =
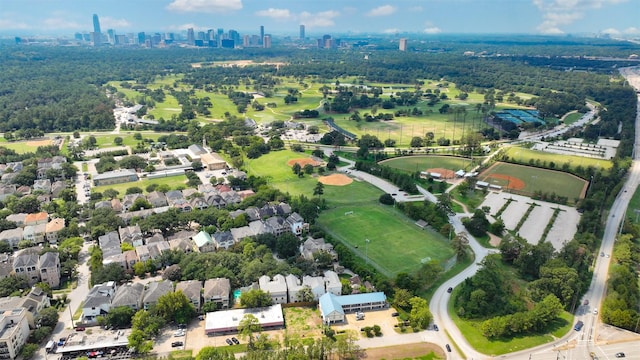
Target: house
{"type": "Point", "coordinates": [142, 252]}
{"type": "Point", "coordinates": [277, 288]}
{"type": "Point", "coordinates": [26, 266]}
{"type": "Point", "coordinates": [37, 218]}
{"type": "Point", "coordinates": [316, 284]}
{"type": "Point", "coordinates": [52, 229]}
{"type": "Point", "coordinates": [115, 177]}
{"type": "Point", "coordinates": [212, 161]}
{"type": "Point", "coordinates": [332, 283]}
{"type": "Point", "coordinates": [258, 228]}
{"type": "Point", "coordinates": [130, 295]}
{"type": "Point", "coordinates": [12, 236]}
{"type": "Point", "coordinates": [98, 302]}
{"type": "Point", "coordinates": [333, 308]}
{"type": "Point", "coordinates": [33, 302]}
{"type": "Point", "coordinates": [253, 213]}
{"type": "Point", "coordinates": [203, 242]}
{"type": "Point", "coordinates": [183, 245]}
{"type": "Point", "coordinates": [192, 289]}
{"type": "Point", "coordinates": [294, 285]}
{"type": "Point", "coordinates": [34, 233]}
{"type": "Point", "coordinates": [109, 244]}
{"type": "Point", "coordinates": [49, 267]}
{"type": "Point", "coordinates": [155, 238]}
{"type": "Point", "coordinates": [313, 246]}
{"type": "Point", "coordinates": [131, 235]}
{"type": "Point", "coordinates": [22, 190]}
{"type": "Point", "coordinates": [130, 259]}
{"type": "Point", "coordinates": [217, 290]}
{"type": "Point", "coordinates": [198, 202]}
{"type": "Point", "coordinates": [276, 225]}
{"type": "Point", "coordinates": [14, 332]}
{"type": "Point", "coordinates": [42, 185]}
{"type": "Point", "coordinates": [157, 199]}
{"type": "Point", "coordinates": [6, 191]}
{"type": "Point", "coordinates": [296, 223]}
{"type": "Point", "coordinates": [116, 205]}
{"type": "Point", "coordinates": [102, 204]}
{"type": "Point", "coordinates": [129, 199]}
{"type": "Point", "coordinates": [17, 218]}
{"type": "Point", "coordinates": [223, 239]}
{"type": "Point", "coordinates": [57, 187]}
{"type": "Point", "coordinates": [241, 233]}
{"type": "Point", "coordinates": [153, 292]}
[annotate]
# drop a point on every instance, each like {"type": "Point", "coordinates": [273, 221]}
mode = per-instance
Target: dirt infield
{"type": "Point", "coordinates": [512, 182]}
{"type": "Point", "coordinates": [446, 173]}
{"type": "Point", "coordinates": [335, 179]}
{"type": "Point", "coordinates": [303, 162]}
{"type": "Point", "coordinates": [39, 143]}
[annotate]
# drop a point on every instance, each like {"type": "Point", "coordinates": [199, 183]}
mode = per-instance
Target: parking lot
{"type": "Point", "coordinates": [381, 318]}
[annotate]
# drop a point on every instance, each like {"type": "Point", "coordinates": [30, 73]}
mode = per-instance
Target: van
{"type": "Point", "coordinates": [51, 346]}
{"type": "Point", "coordinates": [578, 326]}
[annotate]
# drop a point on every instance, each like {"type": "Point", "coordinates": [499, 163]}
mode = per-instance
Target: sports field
{"type": "Point", "coordinates": [422, 163]}
{"type": "Point", "coordinates": [527, 180]}
{"type": "Point", "coordinates": [395, 244]}
{"type": "Point", "coordinates": [274, 167]}
{"type": "Point", "coordinates": [525, 155]}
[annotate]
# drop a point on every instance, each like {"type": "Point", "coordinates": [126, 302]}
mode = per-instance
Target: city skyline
{"type": "Point", "coordinates": [65, 17]}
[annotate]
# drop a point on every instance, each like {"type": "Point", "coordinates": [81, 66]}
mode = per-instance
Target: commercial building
{"type": "Point", "coordinates": [402, 44]}
{"type": "Point", "coordinates": [115, 177]}
{"type": "Point", "coordinates": [333, 308]}
{"type": "Point", "coordinates": [14, 332]}
{"type": "Point", "coordinates": [222, 322]}
{"type": "Point", "coordinates": [212, 161]}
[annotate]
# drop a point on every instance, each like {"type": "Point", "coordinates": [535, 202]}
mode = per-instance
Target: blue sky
{"type": "Point", "coordinates": [282, 17]}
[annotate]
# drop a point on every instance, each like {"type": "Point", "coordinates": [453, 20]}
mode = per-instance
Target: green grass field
{"type": "Point", "coordinates": [395, 244]}
{"type": "Point", "coordinates": [172, 181]}
{"type": "Point", "coordinates": [106, 140]}
{"type": "Point", "coordinates": [571, 118]}
{"type": "Point", "coordinates": [525, 155]}
{"type": "Point", "coordinates": [536, 179]}
{"type": "Point", "coordinates": [274, 167]}
{"type": "Point", "coordinates": [21, 147]}
{"type": "Point", "coordinates": [422, 163]}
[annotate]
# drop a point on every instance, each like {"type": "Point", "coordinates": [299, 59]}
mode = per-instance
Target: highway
{"type": "Point", "coordinates": [575, 344]}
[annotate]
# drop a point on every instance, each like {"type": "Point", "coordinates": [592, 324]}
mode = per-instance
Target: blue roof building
{"type": "Point", "coordinates": [333, 308]}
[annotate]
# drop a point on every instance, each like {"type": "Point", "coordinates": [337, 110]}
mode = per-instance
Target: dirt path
{"type": "Point", "coordinates": [464, 207]}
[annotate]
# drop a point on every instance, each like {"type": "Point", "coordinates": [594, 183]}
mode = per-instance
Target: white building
{"type": "Point", "coordinates": [14, 332]}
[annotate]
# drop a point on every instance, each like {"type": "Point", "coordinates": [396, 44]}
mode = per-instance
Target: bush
{"type": "Point", "coordinates": [386, 199]}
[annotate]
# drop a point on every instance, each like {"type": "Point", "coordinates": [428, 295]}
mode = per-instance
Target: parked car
{"type": "Point", "coordinates": [179, 333]}
{"type": "Point", "coordinates": [448, 347]}
{"type": "Point", "coordinates": [449, 290]}
{"type": "Point", "coordinates": [235, 341]}
{"type": "Point", "coordinates": [595, 311]}
{"type": "Point", "coordinates": [578, 326]}
{"type": "Point", "coordinates": [80, 328]}
{"type": "Point", "coordinates": [620, 355]}
{"type": "Point", "coordinates": [177, 344]}
{"type": "Point", "coordinates": [435, 327]}
{"type": "Point", "coordinates": [229, 342]}
{"type": "Point", "coordinates": [395, 314]}
{"type": "Point", "coordinates": [586, 302]}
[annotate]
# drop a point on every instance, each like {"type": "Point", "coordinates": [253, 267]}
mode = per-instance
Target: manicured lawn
{"type": "Point", "coordinates": [525, 155]}
{"type": "Point", "coordinates": [536, 179]}
{"type": "Point", "coordinates": [21, 147]}
{"type": "Point", "coordinates": [274, 167]}
{"type": "Point", "coordinates": [573, 117]}
{"type": "Point", "coordinates": [634, 204]}
{"type": "Point", "coordinates": [172, 181]}
{"type": "Point", "coordinates": [471, 331]}
{"type": "Point", "coordinates": [106, 140]}
{"type": "Point", "coordinates": [422, 163]}
{"type": "Point", "coordinates": [395, 245]}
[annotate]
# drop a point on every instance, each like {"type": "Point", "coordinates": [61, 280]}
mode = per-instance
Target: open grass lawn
{"type": "Point", "coordinates": [471, 331]}
{"type": "Point", "coordinates": [274, 167]}
{"type": "Point", "coordinates": [422, 163]}
{"type": "Point", "coordinates": [395, 245]}
{"type": "Point", "coordinates": [634, 204]}
{"type": "Point", "coordinates": [573, 117]}
{"type": "Point", "coordinates": [172, 181]}
{"type": "Point", "coordinates": [303, 321]}
{"type": "Point", "coordinates": [21, 147]}
{"type": "Point", "coordinates": [536, 179]}
{"type": "Point", "coordinates": [106, 140]}
{"type": "Point", "coordinates": [525, 155]}
{"type": "Point", "coordinates": [418, 351]}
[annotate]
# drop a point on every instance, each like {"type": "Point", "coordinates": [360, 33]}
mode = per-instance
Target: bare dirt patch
{"type": "Point", "coordinates": [303, 162]}
{"type": "Point", "coordinates": [404, 351]}
{"type": "Point", "coordinates": [445, 173]}
{"type": "Point", "coordinates": [335, 179]}
{"type": "Point", "coordinates": [512, 182]}
{"type": "Point", "coordinates": [39, 143]}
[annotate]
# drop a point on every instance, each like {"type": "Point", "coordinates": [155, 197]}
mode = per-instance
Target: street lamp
{"type": "Point", "coordinates": [366, 249]}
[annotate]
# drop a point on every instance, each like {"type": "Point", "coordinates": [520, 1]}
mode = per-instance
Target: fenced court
{"type": "Point", "coordinates": [395, 244]}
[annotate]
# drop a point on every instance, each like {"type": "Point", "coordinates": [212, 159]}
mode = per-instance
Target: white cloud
{"type": "Point", "coordinates": [391, 31]}
{"type": "Point", "coordinates": [205, 6]}
{"type": "Point", "coordinates": [184, 27]}
{"type": "Point", "coordinates": [111, 23]}
{"type": "Point", "coordinates": [383, 10]}
{"type": "Point", "coordinates": [611, 31]}
{"type": "Point", "coordinates": [8, 24]}
{"type": "Point", "coordinates": [631, 31]}
{"type": "Point", "coordinates": [320, 19]}
{"type": "Point", "coordinates": [432, 30]}
{"type": "Point", "coordinates": [416, 8]}
{"type": "Point", "coordinates": [55, 23]}
{"type": "Point", "coordinates": [559, 13]}
{"type": "Point", "coordinates": [278, 14]}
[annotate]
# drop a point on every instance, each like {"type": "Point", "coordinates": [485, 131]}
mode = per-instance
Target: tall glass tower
{"type": "Point", "coordinates": [96, 24]}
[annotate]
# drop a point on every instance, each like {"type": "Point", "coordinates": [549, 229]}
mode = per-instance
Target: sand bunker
{"type": "Point", "coordinates": [335, 179]}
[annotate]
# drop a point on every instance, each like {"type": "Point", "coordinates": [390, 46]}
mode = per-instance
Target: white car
{"type": "Point", "coordinates": [179, 333]}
